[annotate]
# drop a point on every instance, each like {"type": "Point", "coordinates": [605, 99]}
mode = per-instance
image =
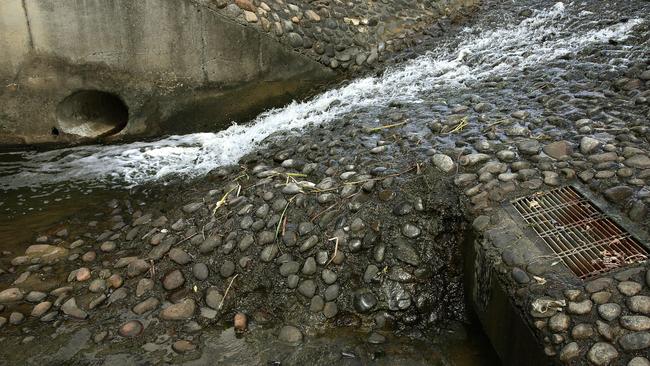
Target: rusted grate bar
{"type": "Point", "coordinates": [583, 237]}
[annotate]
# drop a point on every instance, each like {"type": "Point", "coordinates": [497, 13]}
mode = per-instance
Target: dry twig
{"type": "Point", "coordinates": [226, 293]}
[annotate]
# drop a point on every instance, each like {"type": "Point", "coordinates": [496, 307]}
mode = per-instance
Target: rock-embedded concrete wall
{"type": "Point", "coordinates": [152, 54]}
{"type": "Point", "coordinates": [183, 66]}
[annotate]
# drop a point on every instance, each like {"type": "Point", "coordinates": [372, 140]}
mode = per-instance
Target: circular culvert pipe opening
{"type": "Point", "coordinates": [92, 113]}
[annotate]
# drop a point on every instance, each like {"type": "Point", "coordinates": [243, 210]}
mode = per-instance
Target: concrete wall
{"type": "Point", "coordinates": [154, 54]}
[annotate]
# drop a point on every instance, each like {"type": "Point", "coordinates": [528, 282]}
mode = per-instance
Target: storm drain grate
{"type": "Point", "coordinates": [584, 238]}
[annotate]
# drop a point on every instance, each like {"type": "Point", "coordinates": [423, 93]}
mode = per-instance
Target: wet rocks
{"type": "Point", "coordinates": [16, 318]}
{"type": "Point", "coordinates": [269, 252]}
{"type": "Point", "coordinates": [290, 334]}
{"type": "Point", "coordinates": [405, 252]}
{"type": "Point", "coordinates": [240, 322]}
{"type": "Point", "coordinates": [559, 322]}
{"type": "Point", "coordinates": [213, 298]}
{"type": "Point", "coordinates": [131, 329]}
{"type": "Point", "coordinates": [137, 267]}
{"type": "Point", "coordinates": [41, 308]}
{"type": "Point", "coordinates": [629, 288]}
{"type": "Point", "coordinates": [180, 311]}
{"type": "Point", "coordinates": [146, 306]}
{"type": "Point", "coordinates": [201, 272]}
{"type": "Point", "coordinates": [580, 308]}
{"type": "Point", "coordinates": [183, 346]}
{"type": "Point", "coordinates": [82, 274]}
{"type": "Point", "coordinates": [307, 288]}
{"type": "Point", "coordinates": [602, 354]}
{"type": "Point", "coordinates": [610, 311]}
{"type": "Point", "coordinates": [635, 322]}
{"type": "Point", "coordinates": [635, 341]}
{"type": "Point", "coordinates": [588, 145]}
{"type": "Point", "coordinates": [569, 352]}
{"type": "Point", "coordinates": [558, 150]}
{"type": "Point", "coordinates": [10, 295]}
{"type": "Point", "coordinates": [179, 256]}
{"type": "Point", "coordinates": [144, 285]}
{"type": "Point", "coordinates": [364, 301]}
{"type": "Point", "coordinates": [71, 309]}
{"type": "Point", "coordinates": [618, 194]}
{"type": "Point", "coordinates": [639, 304]}
{"type": "Point", "coordinates": [173, 280]}
{"type": "Point", "coordinates": [46, 253]}
{"type": "Point", "coordinates": [328, 276]}
{"type": "Point", "coordinates": [410, 231]}
{"type": "Point", "coordinates": [443, 162]}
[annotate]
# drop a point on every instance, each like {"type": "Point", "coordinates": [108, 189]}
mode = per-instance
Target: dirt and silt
{"type": "Point", "coordinates": [338, 239]}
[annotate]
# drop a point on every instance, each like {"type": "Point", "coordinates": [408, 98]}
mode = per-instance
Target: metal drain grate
{"type": "Point", "coordinates": [584, 238]}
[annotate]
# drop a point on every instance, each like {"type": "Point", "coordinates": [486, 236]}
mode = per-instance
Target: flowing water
{"type": "Point", "coordinates": [480, 54]}
{"type": "Point", "coordinates": [40, 188]}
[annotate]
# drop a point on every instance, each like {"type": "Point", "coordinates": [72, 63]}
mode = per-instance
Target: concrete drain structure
{"type": "Point", "coordinates": [585, 239]}
{"type": "Point", "coordinates": [557, 277]}
{"type": "Point", "coordinates": [91, 113]}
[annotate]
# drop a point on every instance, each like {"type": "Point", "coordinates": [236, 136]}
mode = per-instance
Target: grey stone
{"type": "Point", "coordinates": [635, 341]}
{"type": "Point", "coordinates": [618, 194]}
{"type": "Point", "coordinates": [146, 306]}
{"type": "Point", "coordinates": [180, 311]}
{"type": "Point", "coordinates": [10, 295]}
{"type": "Point", "coordinates": [639, 361]}
{"type": "Point", "coordinates": [443, 162]}
{"type": "Point", "coordinates": [290, 334]}
{"type": "Point", "coordinates": [227, 269]}
{"type": "Point", "coordinates": [295, 40]}
{"type": "Point", "coordinates": [582, 331]}
{"type": "Point", "coordinates": [213, 298]}
{"type": "Point", "coordinates": [559, 322]}
{"type": "Point", "coordinates": [328, 276]}
{"type": "Point", "coordinates": [173, 280]}
{"type": "Point", "coordinates": [601, 297]}
{"type": "Point", "coordinates": [639, 304]}
{"type": "Point", "coordinates": [200, 271]}
{"type": "Point", "coordinates": [269, 252]}
{"type": "Point", "coordinates": [330, 309]}
{"type": "Point", "coordinates": [292, 281]}
{"type": "Point", "coordinates": [71, 309]}
{"type": "Point", "coordinates": [635, 322]}
{"type": "Point", "coordinates": [316, 304]}
{"type": "Point", "coordinates": [598, 285]}
{"type": "Point", "coordinates": [588, 145]}
{"type": "Point", "coordinates": [609, 311]}
{"type": "Point", "coordinates": [307, 288]}
{"type": "Point", "coordinates": [332, 292]}
{"type": "Point", "coordinates": [410, 231]}
{"type": "Point", "coordinates": [520, 275]}
{"type": "Point", "coordinates": [289, 268]}
{"type": "Point", "coordinates": [629, 288]}
{"type": "Point", "coordinates": [364, 301]}
{"type": "Point", "coordinates": [602, 354]}
{"type": "Point", "coordinates": [179, 256]}
{"type": "Point", "coordinates": [376, 338]}
{"type": "Point", "coordinates": [370, 273]}
{"type": "Point", "coordinates": [406, 252]}
{"type": "Point", "coordinates": [309, 267]}
{"type": "Point", "coordinates": [569, 352]}
{"type": "Point", "coordinates": [580, 308]}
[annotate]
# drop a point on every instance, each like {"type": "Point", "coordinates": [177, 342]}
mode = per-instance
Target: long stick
{"type": "Point", "coordinates": [226, 293]}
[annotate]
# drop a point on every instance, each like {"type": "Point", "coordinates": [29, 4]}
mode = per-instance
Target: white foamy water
{"type": "Point", "coordinates": [483, 54]}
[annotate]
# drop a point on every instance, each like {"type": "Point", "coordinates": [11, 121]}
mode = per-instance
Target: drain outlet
{"type": "Point", "coordinates": [583, 237]}
{"type": "Point", "coordinates": [92, 113]}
